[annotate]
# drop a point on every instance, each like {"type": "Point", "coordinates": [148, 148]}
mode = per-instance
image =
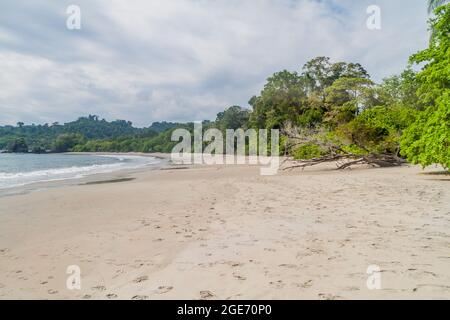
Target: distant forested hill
{"type": "Point", "coordinates": [87, 134]}
{"type": "Point", "coordinates": [44, 136]}
{"type": "Point", "coordinates": [163, 126]}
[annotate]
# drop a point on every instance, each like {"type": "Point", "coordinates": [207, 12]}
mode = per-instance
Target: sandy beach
{"type": "Point", "coordinates": [226, 232]}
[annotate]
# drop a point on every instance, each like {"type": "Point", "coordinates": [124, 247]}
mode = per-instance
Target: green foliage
{"type": "Point", "coordinates": [38, 150]}
{"type": "Point", "coordinates": [17, 145]}
{"type": "Point", "coordinates": [94, 128]}
{"type": "Point", "coordinates": [344, 90]}
{"type": "Point", "coordinates": [65, 142]}
{"type": "Point", "coordinates": [435, 75]}
{"type": "Point", "coordinates": [376, 130]}
{"type": "Point", "coordinates": [362, 135]}
{"type": "Point", "coordinates": [310, 117]}
{"type": "Point", "coordinates": [427, 140]}
{"type": "Point", "coordinates": [163, 126]}
{"type": "Point", "coordinates": [149, 142]}
{"type": "Point", "coordinates": [308, 151]}
{"type": "Point", "coordinates": [354, 149]}
{"type": "Point", "coordinates": [162, 142]}
{"type": "Point", "coordinates": [303, 99]}
{"type": "Point", "coordinates": [89, 134]}
{"type": "Point", "coordinates": [433, 4]}
{"type": "Point", "coordinates": [91, 127]}
{"type": "Point", "coordinates": [400, 90]}
{"type": "Point", "coordinates": [283, 98]}
{"type": "Point", "coordinates": [408, 113]}
{"type": "Point", "coordinates": [338, 115]}
{"type": "Point", "coordinates": [320, 73]}
{"type": "Point", "coordinates": [234, 118]}
{"type": "Point", "coordinates": [391, 118]}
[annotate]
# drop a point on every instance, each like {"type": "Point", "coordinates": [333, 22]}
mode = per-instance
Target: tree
{"type": "Point", "coordinates": [300, 99]}
{"type": "Point", "coordinates": [234, 118]}
{"type": "Point", "coordinates": [65, 142]}
{"type": "Point", "coordinates": [427, 141]}
{"type": "Point", "coordinates": [345, 98]}
{"type": "Point", "coordinates": [18, 146]}
{"type": "Point", "coordinates": [321, 73]}
{"type": "Point", "coordinates": [434, 4]}
{"type": "Point", "coordinates": [435, 74]}
{"type": "Point", "coordinates": [20, 124]}
{"type": "Point", "coordinates": [282, 99]}
{"type": "Point", "coordinates": [162, 126]}
{"type": "Point", "coordinates": [400, 90]}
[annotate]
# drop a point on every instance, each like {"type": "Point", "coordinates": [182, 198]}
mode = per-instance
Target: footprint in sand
{"type": "Point", "coordinates": [239, 277]}
{"type": "Point", "coordinates": [236, 264]}
{"type": "Point", "coordinates": [163, 289]}
{"type": "Point", "coordinates": [328, 296]}
{"type": "Point", "coordinates": [51, 291]}
{"type": "Point", "coordinates": [277, 284]}
{"type": "Point", "coordinates": [236, 296]}
{"type": "Point", "coordinates": [87, 296]}
{"type": "Point", "coordinates": [99, 288]}
{"type": "Point", "coordinates": [140, 279]}
{"type": "Point", "coordinates": [288, 265]}
{"type": "Point", "coordinates": [306, 284]}
{"type": "Point", "coordinates": [139, 297]}
{"type": "Point", "coordinates": [351, 288]}
{"type": "Point", "coordinates": [111, 296]}
{"type": "Point", "coordinates": [144, 223]}
{"type": "Point", "coordinates": [137, 265]}
{"type": "Point", "coordinates": [206, 295]}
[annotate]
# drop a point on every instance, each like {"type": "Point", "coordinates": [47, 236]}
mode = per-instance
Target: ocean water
{"type": "Point", "coordinates": [23, 169]}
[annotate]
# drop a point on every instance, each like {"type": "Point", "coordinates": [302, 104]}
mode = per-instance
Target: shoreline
{"type": "Point", "coordinates": [158, 155]}
{"type": "Point", "coordinates": [89, 177]}
{"type": "Point", "coordinates": [436, 172]}
{"type": "Point", "coordinates": [123, 173]}
{"type": "Point", "coordinates": [226, 230]}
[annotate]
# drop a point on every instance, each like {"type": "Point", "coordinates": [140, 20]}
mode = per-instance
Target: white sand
{"type": "Point", "coordinates": [229, 233]}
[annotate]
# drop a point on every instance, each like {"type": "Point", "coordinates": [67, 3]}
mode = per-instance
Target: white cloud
{"type": "Point", "coordinates": [182, 60]}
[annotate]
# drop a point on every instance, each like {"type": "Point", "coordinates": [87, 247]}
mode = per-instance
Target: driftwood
{"type": "Point", "coordinates": [343, 159]}
{"type": "Point", "coordinates": [346, 160]}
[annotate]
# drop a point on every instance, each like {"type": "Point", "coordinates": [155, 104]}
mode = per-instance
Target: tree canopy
{"type": "Point", "coordinates": [427, 140]}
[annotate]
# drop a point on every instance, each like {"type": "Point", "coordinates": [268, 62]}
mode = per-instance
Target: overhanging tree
{"type": "Point", "coordinates": [427, 141]}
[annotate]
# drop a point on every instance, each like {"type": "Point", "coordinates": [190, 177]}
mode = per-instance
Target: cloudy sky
{"type": "Point", "coordinates": [182, 60]}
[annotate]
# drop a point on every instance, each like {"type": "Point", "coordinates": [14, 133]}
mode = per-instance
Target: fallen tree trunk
{"type": "Point", "coordinates": [343, 159]}
{"type": "Point", "coordinates": [347, 160]}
